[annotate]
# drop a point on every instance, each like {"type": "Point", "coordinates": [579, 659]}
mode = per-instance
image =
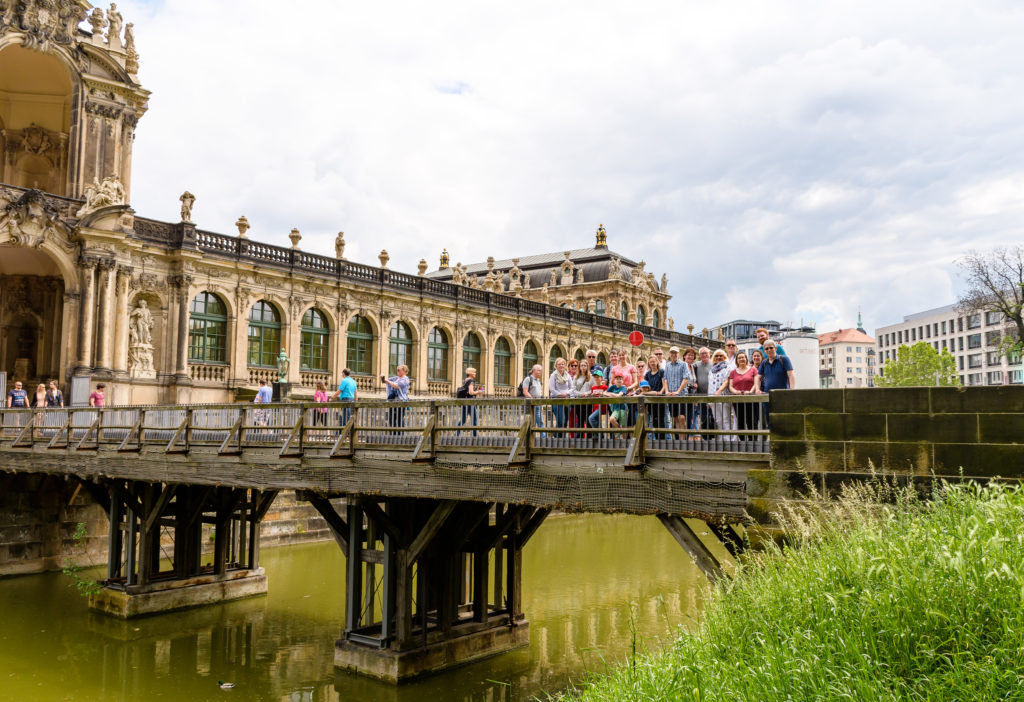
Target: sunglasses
{"type": "Point", "coordinates": [733, 345]}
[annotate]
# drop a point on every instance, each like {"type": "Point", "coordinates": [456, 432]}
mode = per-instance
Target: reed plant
{"type": "Point", "coordinates": [879, 595]}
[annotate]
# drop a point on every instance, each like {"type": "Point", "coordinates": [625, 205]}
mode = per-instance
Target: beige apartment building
{"type": "Point", "coordinates": [846, 359]}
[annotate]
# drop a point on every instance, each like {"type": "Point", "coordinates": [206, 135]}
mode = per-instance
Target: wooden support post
{"type": "Point", "coordinates": [403, 599]}
{"type": "Point", "coordinates": [353, 568]}
{"type": "Point", "coordinates": [732, 541]}
{"type": "Point", "coordinates": [370, 583]}
{"type": "Point", "coordinates": [480, 572]}
{"type": "Point", "coordinates": [499, 563]}
{"type": "Point", "coordinates": [115, 536]}
{"type": "Point", "coordinates": [387, 596]}
{"type": "Point", "coordinates": [513, 578]}
{"type": "Point", "coordinates": [337, 525]}
{"type": "Point", "coordinates": [692, 544]}
{"type": "Point", "coordinates": [638, 442]}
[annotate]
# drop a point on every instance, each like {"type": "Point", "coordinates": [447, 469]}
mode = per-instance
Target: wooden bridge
{"type": "Point", "coordinates": [440, 498]}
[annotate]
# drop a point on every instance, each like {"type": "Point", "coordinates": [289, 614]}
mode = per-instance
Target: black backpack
{"type": "Point", "coordinates": [519, 388]}
{"type": "Point", "coordinates": [463, 391]}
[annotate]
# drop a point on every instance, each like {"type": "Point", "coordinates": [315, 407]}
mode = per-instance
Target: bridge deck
{"type": "Point", "coordinates": [512, 451]}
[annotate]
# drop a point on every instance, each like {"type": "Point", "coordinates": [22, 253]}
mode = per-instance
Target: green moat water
{"type": "Point", "coordinates": [583, 575]}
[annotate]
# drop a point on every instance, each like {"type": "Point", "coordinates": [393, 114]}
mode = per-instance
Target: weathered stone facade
{"type": "Point", "coordinates": [164, 312]}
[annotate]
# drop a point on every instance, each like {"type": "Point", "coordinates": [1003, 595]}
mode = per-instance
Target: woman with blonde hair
{"type": "Point", "coordinates": [560, 387]}
{"type": "Point", "coordinates": [718, 381]}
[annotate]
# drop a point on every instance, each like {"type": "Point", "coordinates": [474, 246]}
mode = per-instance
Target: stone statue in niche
{"type": "Point", "coordinates": [140, 342]}
{"type": "Point", "coordinates": [187, 200]}
{"type": "Point", "coordinates": [554, 279]}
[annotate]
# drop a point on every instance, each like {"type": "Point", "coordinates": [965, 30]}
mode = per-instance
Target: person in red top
{"type": "Point", "coordinates": [98, 396]}
{"type": "Point", "coordinates": [744, 380]}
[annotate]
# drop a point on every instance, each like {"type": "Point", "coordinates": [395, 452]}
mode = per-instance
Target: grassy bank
{"type": "Point", "coordinates": [906, 600]}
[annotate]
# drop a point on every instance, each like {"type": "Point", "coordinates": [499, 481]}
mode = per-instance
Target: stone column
{"type": "Point", "coordinates": [56, 331]}
{"type": "Point", "coordinates": [290, 337]}
{"type": "Point", "coordinates": [182, 283]}
{"type": "Point", "coordinates": [86, 317]}
{"type": "Point", "coordinates": [121, 321]}
{"type": "Point", "coordinates": [240, 347]}
{"type": "Point", "coordinates": [105, 320]}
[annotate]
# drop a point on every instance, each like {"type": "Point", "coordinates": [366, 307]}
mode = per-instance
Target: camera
{"type": "Point", "coordinates": [383, 379]}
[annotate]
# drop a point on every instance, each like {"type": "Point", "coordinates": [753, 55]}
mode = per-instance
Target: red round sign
{"type": "Point", "coordinates": [636, 338]}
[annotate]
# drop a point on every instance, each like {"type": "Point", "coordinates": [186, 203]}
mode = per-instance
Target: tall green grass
{"type": "Point", "coordinates": [879, 596]}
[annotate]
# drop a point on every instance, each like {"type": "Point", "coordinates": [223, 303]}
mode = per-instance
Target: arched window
{"type": "Point", "coordinates": [624, 312]}
{"type": "Point", "coordinates": [359, 346]}
{"type": "Point", "coordinates": [530, 356]}
{"type": "Point", "coordinates": [471, 355]}
{"type": "Point", "coordinates": [602, 359]}
{"type": "Point", "coordinates": [264, 334]}
{"type": "Point", "coordinates": [579, 355]}
{"type": "Point", "coordinates": [437, 355]}
{"type": "Point", "coordinates": [556, 353]}
{"type": "Point", "coordinates": [399, 347]}
{"type": "Point", "coordinates": [313, 342]}
{"type": "Point", "coordinates": [599, 307]}
{"type": "Point", "coordinates": [502, 362]}
{"type": "Point", "coordinates": [641, 315]}
{"type": "Point", "coordinates": [657, 319]}
{"type": "Point", "coordinates": [207, 329]}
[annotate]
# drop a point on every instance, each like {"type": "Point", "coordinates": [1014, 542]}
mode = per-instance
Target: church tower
{"type": "Point", "coordinates": [69, 95]}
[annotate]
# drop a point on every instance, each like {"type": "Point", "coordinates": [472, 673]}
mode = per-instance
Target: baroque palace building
{"type": "Point", "coordinates": [167, 312]}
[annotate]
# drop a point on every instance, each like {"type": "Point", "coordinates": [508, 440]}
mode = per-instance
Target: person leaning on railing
{"type": "Point", "coordinates": [532, 387]}
{"type": "Point", "coordinates": [745, 381]}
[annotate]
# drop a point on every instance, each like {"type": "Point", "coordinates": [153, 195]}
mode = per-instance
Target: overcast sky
{"type": "Point", "coordinates": [786, 160]}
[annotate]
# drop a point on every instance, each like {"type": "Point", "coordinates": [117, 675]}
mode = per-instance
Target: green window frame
{"type": "Point", "coordinates": [624, 312]}
{"type": "Point", "coordinates": [399, 347]}
{"type": "Point", "coordinates": [530, 357]}
{"type": "Point", "coordinates": [472, 352]}
{"type": "Point", "coordinates": [556, 353]}
{"type": "Point", "coordinates": [641, 315]}
{"type": "Point", "coordinates": [314, 341]}
{"type": "Point", "coordinates": [599, 307]}
{"type": "Point", "coordinates": [502, 362]}
{"type": "Point", "coordinates": [657, 319]}
{"type": "Point", "coordinates": [359, 346]}
{"type": "Point", "coordinates": [207, 329]}
{"type": "Point", "coordinates": [264, 335]}
{"type": "Point", "coordinates": [437, 355]}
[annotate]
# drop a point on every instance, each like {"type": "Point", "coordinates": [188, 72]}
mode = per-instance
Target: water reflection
{"type": "Point", "coordinates": [589, 582]}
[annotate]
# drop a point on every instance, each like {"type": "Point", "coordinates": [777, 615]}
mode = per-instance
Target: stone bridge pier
{"type": "Point", "coordinates": [146, 576]}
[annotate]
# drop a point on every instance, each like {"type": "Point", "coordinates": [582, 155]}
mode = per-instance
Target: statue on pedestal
{"type": "Point", "coordinates": [140, 342]}
{"type": "Point", "coordinates": [282, 366]}
{"type": "Point", "coordinates": [187, 200]}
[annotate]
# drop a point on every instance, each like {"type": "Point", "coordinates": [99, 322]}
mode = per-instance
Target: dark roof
{"type": "Point", "coordinates": [594, 261]}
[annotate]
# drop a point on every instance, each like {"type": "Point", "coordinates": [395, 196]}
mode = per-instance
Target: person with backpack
{"type": "Point", "coordinates": [532, 387]}
{"type": "Point", "coordinates": [467, 391]}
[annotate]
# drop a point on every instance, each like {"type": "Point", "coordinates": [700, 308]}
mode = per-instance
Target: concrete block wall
{"type": "Point", "coordinates": [978, 431]}
{"type": "Point", "coordinates": [823, 438]}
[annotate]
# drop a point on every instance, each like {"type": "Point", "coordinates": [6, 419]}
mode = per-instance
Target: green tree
{"type": "Point", "coordinates": [995, 282]}
{"type": "Point", "coordinates": [919, 364]}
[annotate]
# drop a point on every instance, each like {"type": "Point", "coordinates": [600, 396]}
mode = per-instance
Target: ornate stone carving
{"type": "Point", "coordinates": [114, 24]}
{"type": "Point", "coordinates": [421, 267]}
{"type": "Point", "coordinates": [187, 200]}
{"type": "Point", "coordinates": [97, 195]}
{"type": "Point", "coordinates": [42, 21]}
{"type": "Point", "coordinates": [615, 269]}
{"type": "Point", "coordinates": [295, 237]}
{"type": "Point", "coordinates": [664, 283]}
{"type": "Point", "coordinates": [384, 257]}
{"type": "Point", "coordinates": [30, 220]}
{"type": "Point", "coordinates": [98, 21]}
{"type": "Point", "coordinates": [339, 245]}
{"type": "Point", "coordinates": [140, 341]}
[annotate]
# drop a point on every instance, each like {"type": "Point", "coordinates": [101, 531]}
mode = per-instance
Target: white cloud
{"type": "Point", "coordinates": [790, 160]}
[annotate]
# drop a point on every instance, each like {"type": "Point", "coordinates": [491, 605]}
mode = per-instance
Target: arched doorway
{"type": "Point", "coordinates": [31, 316]}
{"type": "Point", "coordinates": [36, 113]}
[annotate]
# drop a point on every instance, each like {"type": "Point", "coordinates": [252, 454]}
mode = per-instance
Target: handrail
{"type": "Point", "coordinates": [636, 428]}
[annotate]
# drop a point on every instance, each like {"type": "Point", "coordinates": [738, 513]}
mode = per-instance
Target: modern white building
{"type": "Point", "coordinates": [801, 345]}
{"type": "Point", "coordinates": [973, 340]}
{"type": "Point", "coordinates": [846, 358]}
